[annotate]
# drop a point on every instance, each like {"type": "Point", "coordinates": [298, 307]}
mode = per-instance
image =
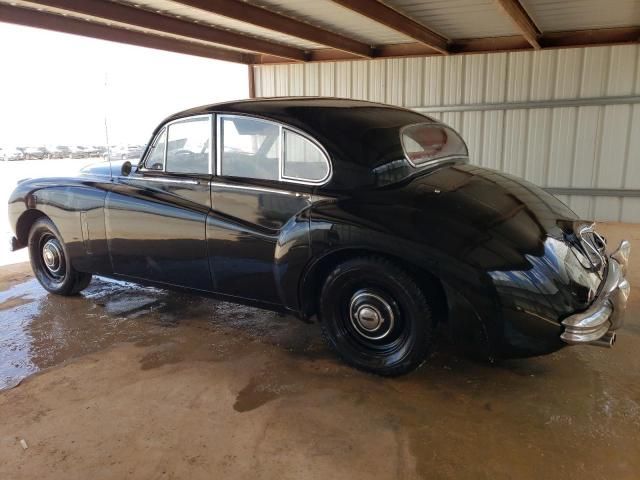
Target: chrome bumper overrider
{"type": "Point", "coordinates": [598, 323]}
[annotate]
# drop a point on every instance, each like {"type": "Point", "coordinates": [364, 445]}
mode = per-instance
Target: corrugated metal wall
{"type": "Point", "coordinates": [545, 138]}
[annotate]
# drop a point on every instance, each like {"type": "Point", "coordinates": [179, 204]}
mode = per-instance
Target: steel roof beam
{"type": "Point", "coordinates": [138, 17]}
{"type": "Point", "coordinates": [262, 17]}
{"type": "Point", "coordinates": [74, 26]}
{"type": "Point", "coordinates": [395, 20]}
{"type": "Point", "coordinates": [521, 19]}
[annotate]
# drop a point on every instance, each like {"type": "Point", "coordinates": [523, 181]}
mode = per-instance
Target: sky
{"type": "Point", "coordinates": [58, 89]}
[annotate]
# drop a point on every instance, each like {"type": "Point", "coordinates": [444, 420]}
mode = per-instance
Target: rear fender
{"type": "Point", "coordinates": [470, 294]}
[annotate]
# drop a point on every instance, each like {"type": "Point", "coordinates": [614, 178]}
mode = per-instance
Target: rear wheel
{"type": "Point", "coordinates": [375, 316]}
{"type": "Point", "coordinates": [50, 262]}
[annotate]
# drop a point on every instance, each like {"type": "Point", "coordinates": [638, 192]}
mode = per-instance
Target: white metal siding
{"type": "Point", "coordinates": [558, 146]}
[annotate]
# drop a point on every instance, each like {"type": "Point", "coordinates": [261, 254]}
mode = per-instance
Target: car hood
{"type": "Point", "coordinates": [104, 168]}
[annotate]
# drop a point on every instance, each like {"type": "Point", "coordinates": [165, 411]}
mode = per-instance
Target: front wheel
{"type": "Point", "coordinates": [50, 262]}
{"type": "Point", "coordinates": [375, 316]}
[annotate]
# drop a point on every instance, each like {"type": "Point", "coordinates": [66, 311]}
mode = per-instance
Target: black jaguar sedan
{"type": "Point", "coordinates": [365, 216]}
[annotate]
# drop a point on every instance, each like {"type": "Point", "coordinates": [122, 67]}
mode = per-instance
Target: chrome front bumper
{"type": "Point", "coordinates": [597, 324]}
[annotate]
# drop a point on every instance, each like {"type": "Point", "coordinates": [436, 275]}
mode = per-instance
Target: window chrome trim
{"type": "Point", "coordinates": [164, 179]}
{"type": "Point", "coordinates": [220, 147]}
{"type": "Point", "coordinates": [218, 169]}
{"type": "Point", "coordinates": [254, 189]}
{"type": "Point", "coordinates": [142, 165]}
{"type": "Point", "coordinates": [325, 155]}
{"type": "Point", "coordinates": [165, 128]}
{"type": "Point", "coordinates": [281, 149]}
{"type": "Point", "coordinates": [208, 116]}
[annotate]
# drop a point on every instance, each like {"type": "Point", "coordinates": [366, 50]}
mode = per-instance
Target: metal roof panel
{"type": "Point", "coordinates": [458, 18]}
{"type": "Point", "coordinates": [564, 15]}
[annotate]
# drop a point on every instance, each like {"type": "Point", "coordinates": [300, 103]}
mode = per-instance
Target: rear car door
{"type": "Point", "coordinates": [257, 230]}
{"type": "Point", "coordinates": [155, 217]}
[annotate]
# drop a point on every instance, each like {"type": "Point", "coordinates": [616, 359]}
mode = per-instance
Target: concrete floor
{"type": "Point", "coordinates": [129, 382]}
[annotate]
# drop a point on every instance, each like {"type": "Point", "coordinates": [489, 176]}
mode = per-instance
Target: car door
{"type": "Point", "coordinates": [155, 217]}
{"type": "Point", "coordinates": [257, 228]}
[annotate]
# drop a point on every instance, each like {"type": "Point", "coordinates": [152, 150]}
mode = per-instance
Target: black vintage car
{"type": "Point", "coordinates": [363, 215]}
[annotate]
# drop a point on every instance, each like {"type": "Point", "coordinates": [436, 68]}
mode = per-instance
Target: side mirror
{"type": "Point", "coordinates": [126, 169]}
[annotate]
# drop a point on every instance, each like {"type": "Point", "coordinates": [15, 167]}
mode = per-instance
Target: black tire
{"type": "Point", "coordinates": [375, 316]}
{"type": "Point", "coordinates": [59, 277]}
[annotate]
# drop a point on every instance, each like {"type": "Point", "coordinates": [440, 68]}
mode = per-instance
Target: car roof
{"type": "Point", "coordinates": [358, 135]}
{"type": "Point", "coordinates": [274, 105]}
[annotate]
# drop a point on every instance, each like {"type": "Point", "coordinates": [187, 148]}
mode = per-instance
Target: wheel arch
{"type": "Point", "coordinates": [315, 274]}
{"type": "Point", "coordinates": [24, 223]}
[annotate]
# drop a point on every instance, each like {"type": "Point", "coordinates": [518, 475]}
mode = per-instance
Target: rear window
{"type": "Point", "coordinates": [424, 143]}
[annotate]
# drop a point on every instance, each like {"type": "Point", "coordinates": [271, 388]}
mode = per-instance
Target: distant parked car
{"type": "Point", "coordinates": [93, 151]}
{"type": "Point", "coordinates": [57, 151]}
{"type": "Point", "coordinates": [65, 151]}
{"type": "Point", "coordinates": [98, 150]}
{"type": "Point", "coordinates": [78, 151]}
{"type": "Point", "coordinates": [10, 154]}
{"type": "Point", "coordinates": [35, 153]}
{"type": "Point", "coordinates": [53, 152]}
{"type": "Point", "coordinates": [125, 152]}
{"type": "Point", "coordinates": [135, 151]}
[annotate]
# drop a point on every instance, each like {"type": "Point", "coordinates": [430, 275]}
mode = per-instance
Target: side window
{"type": "Point", "coordinates": [303, 160]}
{"type": "Point", "coordinates": [249, 148]}
{"type": "Point", "coordinates": [155, 158]}
{"type": "Point", "coordinates": [189, 145]}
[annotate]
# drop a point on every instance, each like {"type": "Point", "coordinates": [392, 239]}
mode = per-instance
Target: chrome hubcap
{"type": "Point", "coordinates": [52, 256]}
{"type": "Point", "coordinates": [371, 315]}
{"type": "Point", "coordinates": [369, 318]}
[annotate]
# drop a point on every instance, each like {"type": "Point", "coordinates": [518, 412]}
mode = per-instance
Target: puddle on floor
{"type": "Point", "coordinates": [40, 330]}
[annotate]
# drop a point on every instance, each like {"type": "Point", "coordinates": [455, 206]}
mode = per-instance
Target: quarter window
{"type": "Point", "coordinates": [303, 159]}
{"type": "Point", "coordinates": [249, 148]}
{"type": "Point", "coordinates": [189, 145]}
{"type": "Point", "coordinates": [155, 158]}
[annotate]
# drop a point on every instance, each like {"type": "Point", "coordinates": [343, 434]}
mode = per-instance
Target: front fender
{"type": "Point", "coordinates": [76, 209]}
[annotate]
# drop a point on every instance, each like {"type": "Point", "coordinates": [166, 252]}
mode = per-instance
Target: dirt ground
{"type": "Point", "coordinates": [129, 382]}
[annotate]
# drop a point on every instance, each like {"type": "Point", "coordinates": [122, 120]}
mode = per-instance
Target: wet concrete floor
{"type": "Point", "coordinates": [136, 382]}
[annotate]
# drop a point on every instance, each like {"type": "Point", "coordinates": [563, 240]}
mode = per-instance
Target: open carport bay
{"type": "Point", "coordinates": [138, 382]}
{"type": "Point", "coordinates": [130, 382]}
